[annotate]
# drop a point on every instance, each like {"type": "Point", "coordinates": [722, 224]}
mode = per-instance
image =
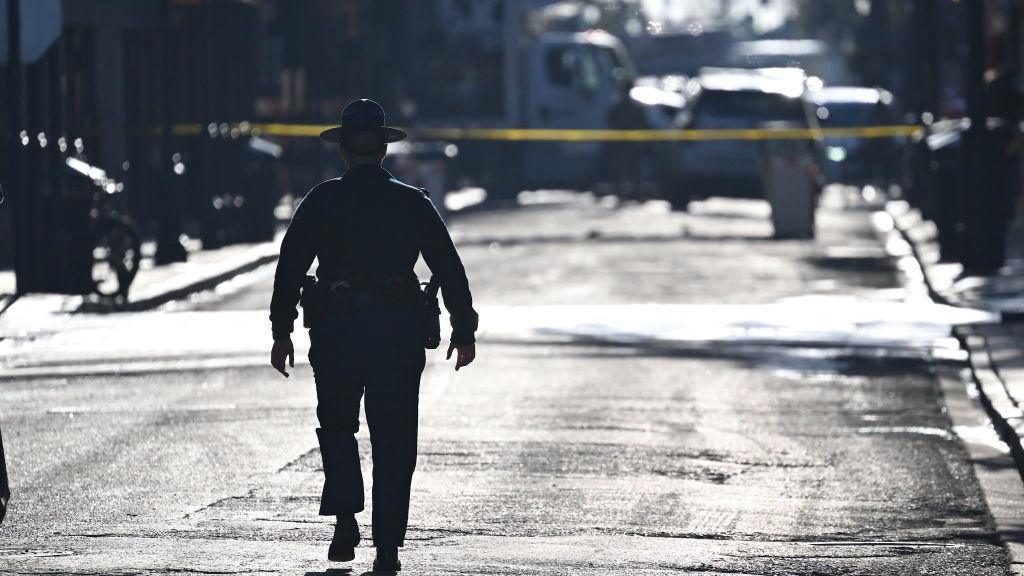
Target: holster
{"type": "Point", "coordinates": [430, 313]}
{"type": "Point", "coordinates": [314, 299]}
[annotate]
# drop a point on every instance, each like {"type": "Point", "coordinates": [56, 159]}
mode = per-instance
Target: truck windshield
{"type": "Point", "coordinates": [571, 65]}
{"type": "Point", "coordinates": [561, 63]}
{"type": "Point", "coordinates": [614, 65]}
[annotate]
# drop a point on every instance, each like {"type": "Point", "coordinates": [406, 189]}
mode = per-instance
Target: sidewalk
{"type": "Point", "coordinates": [153, 287]}
{"type": "Point", "coordinates": [996, 350]}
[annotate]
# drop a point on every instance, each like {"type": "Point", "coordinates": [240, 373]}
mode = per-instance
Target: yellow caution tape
{"type": "Point", "coordinates": [291, 130]}
{"type": "Point", "coordinates": [690, 135]}
{"type": "Point", "coordinates": [186, 129]}
{"type": "Point", "coordinates": [584, 135]}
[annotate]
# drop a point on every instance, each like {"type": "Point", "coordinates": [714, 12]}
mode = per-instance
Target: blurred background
{"type": "Point", "coordinates": [719, 249]}
{"type": "Point", "coordinates": [140, 130]}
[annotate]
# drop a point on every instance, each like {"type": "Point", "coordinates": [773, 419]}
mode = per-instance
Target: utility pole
{"type": "Point", "coordinates": [975, 81]}
{"type": "Point", "coordinates": [17, 194]}
{"type": "Point", "coordinates": [937, 199]}
{"type": "Point", "coordinates": [1014, 14]}
{"type": "Point", "coordinates": [881, 46]}
{"type": "Point", "coordinates": [933, 75]}
{"type": "Point", "coordinates": [168, 247]}
{"type": "Point", "coordinates": [985, 181]}
{"type": "Point", "coordinates": [925, 60]}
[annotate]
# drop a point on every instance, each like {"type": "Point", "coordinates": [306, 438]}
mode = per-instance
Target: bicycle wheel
{"type": "Point", "coordinates": [116, 253]}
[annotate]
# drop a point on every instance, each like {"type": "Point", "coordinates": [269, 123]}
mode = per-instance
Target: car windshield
{"type": "Point", "coordinates": [748, 108]}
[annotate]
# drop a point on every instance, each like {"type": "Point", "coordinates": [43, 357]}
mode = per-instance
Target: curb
{"type": "Point", "coordinates": [179, 287]}
{"type": "Point", "coordinates": [183, 287]}
{"type": "Point", "coordinates": [200, 285]}
{"type": "Point", "coordinates": [1002, 409]}
{"type": "Point", "coordinates": [916, 231]}
{"type": "Point", "coordinates": [6, 301]}
{"type": "Point", "coordinates": [1005, 414]}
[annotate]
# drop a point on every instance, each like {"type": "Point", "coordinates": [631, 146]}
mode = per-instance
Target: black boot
{"type": "Point", "coordinates": [387, 560]}
{"type": "Point", "coordinates": [346, 538]}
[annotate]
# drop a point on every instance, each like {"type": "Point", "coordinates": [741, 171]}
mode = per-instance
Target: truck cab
{"type": "Point", "coordinates": [548, 81]}
{"type": "Point", "coordinates": [571, 81]}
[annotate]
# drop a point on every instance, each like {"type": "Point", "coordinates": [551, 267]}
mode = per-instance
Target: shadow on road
{"type": "Point", "coordinates": [346, 571]}
{"type": "Point", "coordinates": [881, 264]}
{"type": "Point", "coordinates": [995, 463]}
{"type": "Point", "coordinates": [802, 356]}
{"type": "Point", "coordinates": [596, 236]}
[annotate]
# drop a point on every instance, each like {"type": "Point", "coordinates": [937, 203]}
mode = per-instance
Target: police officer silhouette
{"type": "Point", "coordinates": [367, 231]}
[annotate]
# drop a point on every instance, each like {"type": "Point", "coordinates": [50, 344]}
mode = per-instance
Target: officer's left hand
{"type": "Point", "coordinates": [467, 353]}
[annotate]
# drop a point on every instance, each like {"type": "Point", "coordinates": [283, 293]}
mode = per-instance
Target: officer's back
{"type": "Point", "coordinates": [367, 230]}
{"type": "Point", "coordinates": [367, 226]}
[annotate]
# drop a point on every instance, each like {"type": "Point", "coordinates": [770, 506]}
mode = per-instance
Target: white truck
{"type": "Point", "coordinates": [537, 79]}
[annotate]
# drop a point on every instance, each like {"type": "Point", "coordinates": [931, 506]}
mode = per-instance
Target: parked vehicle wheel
{"type": "Point", "coordinates": [116, 253]}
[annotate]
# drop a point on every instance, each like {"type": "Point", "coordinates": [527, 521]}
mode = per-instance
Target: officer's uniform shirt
{"type": "Point", "coordinates": [365, 228]}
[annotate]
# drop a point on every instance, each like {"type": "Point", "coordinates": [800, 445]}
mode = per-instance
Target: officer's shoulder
{"type": "Point", "coordinates": [315, 197]}
{"type": "Point", "coordinates": [413, 191]}
{"type": "Point", "coordinates": [322, 189]}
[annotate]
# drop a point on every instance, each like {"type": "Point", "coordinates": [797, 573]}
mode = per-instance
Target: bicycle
{"type": "Point", "coordinates": [116, 248]}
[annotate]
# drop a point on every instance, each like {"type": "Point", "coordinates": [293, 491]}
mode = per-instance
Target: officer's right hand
{"type": "Point", "coordinates": [466, 355]}
{"type": "Point", "coordinates": [282, 350]}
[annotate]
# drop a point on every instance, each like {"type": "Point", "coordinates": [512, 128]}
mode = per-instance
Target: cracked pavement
{"type": "Point", "coordinates": [655, 393]}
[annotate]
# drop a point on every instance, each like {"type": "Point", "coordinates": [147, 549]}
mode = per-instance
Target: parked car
{"type": "Point", "coordinates": [859, 161]}
{"type": "Point", "coordinates": [746, 100]}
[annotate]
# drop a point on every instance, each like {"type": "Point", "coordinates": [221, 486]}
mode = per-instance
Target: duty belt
{"type": "Point", "coordinates": [393, 290]}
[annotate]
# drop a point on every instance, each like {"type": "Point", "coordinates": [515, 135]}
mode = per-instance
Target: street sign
{"type": "Point", "coordinates": [41, 23]}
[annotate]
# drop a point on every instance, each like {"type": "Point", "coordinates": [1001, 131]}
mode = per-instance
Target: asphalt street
{"type": "Point", "coordinates": [654, 393]}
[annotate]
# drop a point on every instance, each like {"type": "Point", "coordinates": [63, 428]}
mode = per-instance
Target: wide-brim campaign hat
{"type": "Point", "coordinates": [363, 128]}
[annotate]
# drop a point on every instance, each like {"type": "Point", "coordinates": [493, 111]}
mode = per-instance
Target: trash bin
{"type": "Point", "coordinates": [788, 181]}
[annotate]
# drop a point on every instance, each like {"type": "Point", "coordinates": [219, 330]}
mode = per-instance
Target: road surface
{"type": "Point", "coordinates": [655, 393]}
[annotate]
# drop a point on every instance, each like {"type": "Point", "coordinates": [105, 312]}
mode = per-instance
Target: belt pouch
{"type": "Point", "coordinates": [430, 314]}
{"type": "Point", "coordinates": [313, 302]}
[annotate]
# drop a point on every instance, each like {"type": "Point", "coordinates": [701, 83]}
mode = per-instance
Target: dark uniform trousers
{"type": "Point", "coordinates": [373, 350]}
